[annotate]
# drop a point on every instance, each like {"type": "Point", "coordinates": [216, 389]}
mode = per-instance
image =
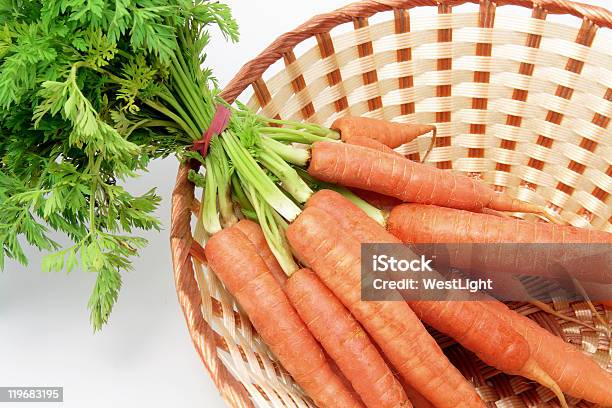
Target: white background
{"type": "Point", "coordinates": [144, 356]}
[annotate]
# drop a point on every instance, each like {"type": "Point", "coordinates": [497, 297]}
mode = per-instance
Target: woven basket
{"type": "Point", "coordinates": [521, 102]}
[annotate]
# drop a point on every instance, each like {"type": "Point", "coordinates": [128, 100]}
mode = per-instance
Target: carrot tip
{"type": "Point", "coordinates": [534, 372]}
{"type": "Point", "coordinates": [523, 206]}
{"type": "Point", "coordinates": [591, 306]}
{"type": "Point", "coordinates": [552, 217]}
{"type": "Point", "coordinates": [504, 202]}
{"type": "Point", "coordinates": [434, 137]}
{"type": "Point", "coordinates": [544, 307]}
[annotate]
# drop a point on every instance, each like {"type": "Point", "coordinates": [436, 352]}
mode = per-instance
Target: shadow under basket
{"type": "Point", "coordinates": [521, 94]}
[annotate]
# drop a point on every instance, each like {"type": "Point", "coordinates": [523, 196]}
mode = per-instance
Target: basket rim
{"type": "Point", "coordinates": [323, 23]}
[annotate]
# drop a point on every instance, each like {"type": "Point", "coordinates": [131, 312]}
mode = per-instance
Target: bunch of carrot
{"type": "Point", "coordinates": [297, 275]}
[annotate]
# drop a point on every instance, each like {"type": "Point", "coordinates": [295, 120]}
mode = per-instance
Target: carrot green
{"type": "Point", "coordinates": [91, 92]}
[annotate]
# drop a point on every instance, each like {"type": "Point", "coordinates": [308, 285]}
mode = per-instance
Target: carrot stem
{"type": "Point", "coordinates": [306, 137]}
{"type": "Point", "coordinates": [253, 175]}
{"type": "Point", "coordinates": [273, 227]}
{"type": "Point", "coordinates": [290, 180]}
{"type": "Point", "coordinates": [290, 154]}
{"type": "Point", "coordinates": [222, 175]}
{"type": "Point", "coordinates": [239, 194]}
{"type": "Point", "coordinates": [377, 215]}
{"type": "Point", "coordinates": [312, 128]}
{"type": "Point", "coordinates": [373, 212]}
{"type": "Point", "coordinates": [210, 215]}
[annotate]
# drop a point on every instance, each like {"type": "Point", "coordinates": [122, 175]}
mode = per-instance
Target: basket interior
{"type": "Point", "coordinates": [522, 102]}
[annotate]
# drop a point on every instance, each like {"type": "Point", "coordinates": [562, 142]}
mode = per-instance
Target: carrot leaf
{"type": "Point", "coordinates": [91, 92]}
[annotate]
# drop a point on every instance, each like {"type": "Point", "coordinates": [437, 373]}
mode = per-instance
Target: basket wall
{"type": "Point", "coordinates": [523, 103]}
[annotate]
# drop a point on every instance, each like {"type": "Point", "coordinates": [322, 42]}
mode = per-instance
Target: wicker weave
{"type": "Point", "coordinates": [523, 103]}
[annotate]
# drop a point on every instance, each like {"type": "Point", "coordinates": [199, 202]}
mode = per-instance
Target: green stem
{"type": "Point", "coordinates": [239, 194]}
{"type": "Point", "coordinates": [166, 96]}
{"type": "Point", "coordinates": [249, 214]}
{"type": "Point", "coordinates": [280, 137]}
{"type": "Point", "coordinates": [310, 127]}
{"type": "Point", "coordinates": [250, 172]}
{"type": "Point", "coordinates": [221, 169]}
{"type": "Point", "coordinates": [273, 228]}
{"type": "Point", "coordinates": [210, 216]}
{"type": "Point", "coordinates": [290, 154]}
{"type": "Point", "coordinates": [95, 173]}
{"type": "Point", "coordinates": [146, 123]}
{"type": "Point", "coordinates": [372, 212]}
{"type": "Point", "coordinates": [307, 137]}
{"type": "Point", "coordinates": [194, 102]}
{"type": "Point", "coordinates": [186, 128]}
{"type": "Point", "coordinates": [202, 102]}
{"type": "Point", "coordinates": [375, 213]}
{"type": "Point", "coordinates": [290, 180]}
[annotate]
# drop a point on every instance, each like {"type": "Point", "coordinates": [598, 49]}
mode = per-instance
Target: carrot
{"type": "Point", "coordinates": [415, 397]}
{"type": "Point", "coordinates": [418, 400]}
{"type": "Point", "coordinates": [345, 341]}
{"type": "Point", "coordinates": [388, 133]}
{"type": "Point", "coordinates": [368, 169]}
{"type": "Point", "coordinates": [376, 145]}
{"type": "Point", "coordinates": [254, 234]}
{"type": "Point", "coordinates": [236, 262]}
{"type": "Point", "coordinates": [380, 201]}
{"type": "Point", "coordinates": [417, 223]}
{"type": "Point", "coordinates": [371, 144]}
{"type": "Point", "coordinates": [376, 199]}
{"type": "Point", "coordinates": [468, 322]}
{"type": "Point", "coordinates": [576, 373]}
{"type": "Point", "coordinates": [565, 364]}
{"type": "Point", "coordinates": [342, 377]}
{"type": "Point", "coordinates": [352, 356]}
{"type": "Point", "coordinates": [335, 256]}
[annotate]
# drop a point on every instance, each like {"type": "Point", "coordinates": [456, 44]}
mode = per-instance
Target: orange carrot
{"type": "Point", "coordinates": [342, 377]}
{"type": "Point", "coordinates": [415, 397]}
{"type": "Point", "coordinates": [345, 341]}
{"type": "Point", "coordinates": [417, 223]}
{"type": "Point", "coordinates": [564, 363]}
{"type": "Point", "coordinates": [468, 322]}
{"type": "Point", "coordinates": [371, 144]}
{"type": "Point", "coordinates": [576, 373]}
{"type": "Point", "coordinates": [352, 357]}
{"type": "Point", "coordinates": [448, 225]}
{"type": "Point", "coordinates": [418, 400]}
{"type": "Point", "coordinates": [368, 169]}
{"type": "Point", "coordinates": [377, 200]}
{"type": "Point", "coordinates": [236, 262]}
{"type": "Point", "coordinates": [380, 201]}
{"type": "Point", "coordinates": [335, 256]}
{"type": "Point", "coordinates": [388, 133]}
{"type": "Point", "coordinates": [350, 217]}
{"type": "Point", "coordinates": [253, 232]}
